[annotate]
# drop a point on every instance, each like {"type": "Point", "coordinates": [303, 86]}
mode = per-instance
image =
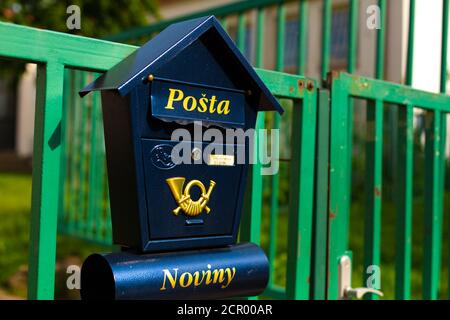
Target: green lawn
{"type": "Point", "coordinates": [15, 197]}
{"type": "Point", "coordinates": [15, 200]}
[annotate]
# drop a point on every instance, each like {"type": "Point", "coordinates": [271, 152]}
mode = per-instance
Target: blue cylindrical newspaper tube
{"type": "Point", "coordinates": [232, 271]}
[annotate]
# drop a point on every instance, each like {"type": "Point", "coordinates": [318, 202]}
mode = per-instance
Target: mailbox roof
{"type": "Point", "coordinates": [124, 76]}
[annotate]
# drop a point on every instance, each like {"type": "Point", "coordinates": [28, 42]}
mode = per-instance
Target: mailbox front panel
{"type": "Point", "coordinates": [190, 200]}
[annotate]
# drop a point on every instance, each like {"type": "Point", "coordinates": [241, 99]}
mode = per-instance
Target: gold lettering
{"type": "Point", "coordinates": [211, 104]}
{"type": "Point", "coordinates": [198, 282]}
{"type": "Point", "coordinates": [208, 275]}
{"type": "Point", "coordinates": [219, 275]}
{"type": "Point", "coordinates": [223, 107]}
{"type": "Point", "coordinates": [191, 103]}
{"type": "Point", "coordinates": [172, 280]}
{"type": "Point", "coordinates": [222, 277]}
{"type": "Point", "coordinates": [182, 278]}
{"type": "Point", "coordinates": [203, 101]}
{"type": "Point", "coordinates": [231, 273]}
{"type": "Point", "coordinates": [186, 102]}
{"type": "Point", "coordinates": [172, 97]}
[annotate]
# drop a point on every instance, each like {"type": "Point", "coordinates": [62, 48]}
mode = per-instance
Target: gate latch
{"type": "Point", "coordinates": [346, 291]}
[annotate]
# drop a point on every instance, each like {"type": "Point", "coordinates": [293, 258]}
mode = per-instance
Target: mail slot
{"type": "Point", "coordinates": [175, 206]}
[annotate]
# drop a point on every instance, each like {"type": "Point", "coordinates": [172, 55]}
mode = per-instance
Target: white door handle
{"type": "Point", "coordinates": [345, 282]}
{"type": "Point", "coordinates": [359, 293]}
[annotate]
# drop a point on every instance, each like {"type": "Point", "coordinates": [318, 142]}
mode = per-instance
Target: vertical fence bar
{"type": "Point", "coordinates": [374, 161]}
{"type": "Point", "coordinates": [259, 58]}
{"type": "Point", "coordinates": [74, 155]}
{"type": "Point", "coordinates": [281, 30]}
{"type": "Point", "coordinates": [276, 126]}
{"type": "Point", "coordinates": [339, 171]}
{"type": "Point", "coordinates": [302, 36]}
{"type": "Point", "coordinates": [241, 32]}
{"type": "Point", "coordinates": [352, 35]}
{"type": "Point", "coordinates": [320, 217]}
{"type": "Point", "coordinates": [301, 191]}
{"type": "Point", "coordinates": [404, 203]}
{"type": "Point", "coordinates": [81, 214]}
{"type": "Point", "coordinates": [443, 87]}
{"type": "Point", "coordinates": [326, 36]}
{"type": "Point", "coordinates": [351, 68]}
{"type": "Point", "coordinates": [251, 220]}
{"type": "Point", "coordinates": [433, 216]}
{"type": "Point", "coordinates": [46, 178]}
{"type": "Point", "coordinates": [274, 210]}
{"type": "Point", "coordinates": [410, 53]}
{"type": "Point", "coordinates": [99, 155]}
{"type": "Point", "coordinates": [103, 217]}
{"type": "Point", "coordinates": [70, 147]}
{"type": "Point", "coordinates": [93, 170]}
{"type": "Point", "coordinates": [381, 35]}
{"type": "Point", "coordinates": [224, 23]}
{"type": "Point", "coordinates": [442, 168]}
{"type": "Point", "coordinates": [68, 221]}
{"type": "Point", "coordinates": [444, 49]}
{"type": "Point", "coordinates": [64, 156]}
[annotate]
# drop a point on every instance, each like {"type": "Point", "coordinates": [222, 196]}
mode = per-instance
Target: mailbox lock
{"type": "Point", "coordinates": [196, 154]}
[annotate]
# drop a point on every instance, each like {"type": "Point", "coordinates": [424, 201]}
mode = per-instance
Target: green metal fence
{"type": "Point", "coordinates": [380, 95]}
{"type": "Point", "coordinates": [54, 53]}
{"type": "Point", "coordinates": [69, 163]}
{"type": "Point", "coordinates": [251, 16]}
{"type": "Point", "coordinates": [84, 206]}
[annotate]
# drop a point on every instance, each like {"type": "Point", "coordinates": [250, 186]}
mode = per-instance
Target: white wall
{"type": "Point", "coordinates": [427, 45]}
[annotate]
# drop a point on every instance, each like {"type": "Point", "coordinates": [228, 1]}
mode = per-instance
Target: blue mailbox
{"type": "Point", "coordinates": [189, 76]}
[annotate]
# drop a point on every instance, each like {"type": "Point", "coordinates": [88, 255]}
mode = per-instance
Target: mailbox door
{"type": "Point", "coordinates": [167, 183]}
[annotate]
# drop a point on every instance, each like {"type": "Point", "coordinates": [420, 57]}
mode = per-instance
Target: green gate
{"type": "Point", "coordinates": [347, 93]}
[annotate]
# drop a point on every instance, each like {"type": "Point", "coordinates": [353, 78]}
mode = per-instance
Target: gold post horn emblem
{"type": "Point", "coordinates": [183, 198]}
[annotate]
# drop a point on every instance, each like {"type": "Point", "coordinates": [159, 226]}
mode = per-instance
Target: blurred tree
{"type": "Point", "coordinates": [98, 17]}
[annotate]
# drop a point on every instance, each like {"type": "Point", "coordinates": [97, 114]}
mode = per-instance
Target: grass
{"type": "Point", "coordinates": [15, 202]}
{"type": "Point", "coordinates": [15, 198]}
